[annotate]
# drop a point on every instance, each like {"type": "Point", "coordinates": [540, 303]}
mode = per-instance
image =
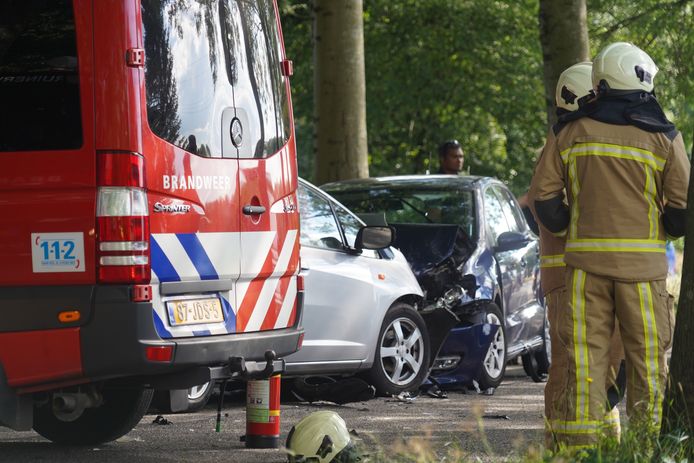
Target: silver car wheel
{"type": "Point", "coordinates": [496, 355]}
{"type": "Point", "coordinates": [401, 351]}
{"type": "Point", "coordinates": [197, 392]}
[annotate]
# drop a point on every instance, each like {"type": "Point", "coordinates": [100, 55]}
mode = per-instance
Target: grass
{"type": "Point", "coordinates": [639, 443]}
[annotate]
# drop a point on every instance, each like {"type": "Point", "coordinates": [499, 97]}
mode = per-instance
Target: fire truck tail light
{"type": "Point", "coordinates": [124, 260]}
{"type": "Point", "coordinates": [124, 246]}
{"type": "Point", "coordinates": [122, 216]}
{"type": "Point", "coordinates": [121, 169]}
{"type": "Point", "coordinates": [119, 201]}
{"type": "Point", "coordinates": [159, 353]}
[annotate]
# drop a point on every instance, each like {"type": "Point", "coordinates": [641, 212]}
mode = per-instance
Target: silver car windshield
{"type": "Point", "coordinates": [416, 205]}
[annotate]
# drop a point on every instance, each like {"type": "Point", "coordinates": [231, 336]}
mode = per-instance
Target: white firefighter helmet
{"type": "Point", "coordinates": [624, 66]}
{"type": "Point", "coordinates": [574, 85]}
{"type": "Point", "coordinates": [321, 437]}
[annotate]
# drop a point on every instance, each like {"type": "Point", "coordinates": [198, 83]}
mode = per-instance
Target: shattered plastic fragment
{"type": "Point", "coordinates": [436, 392]}
{"type": "Point", "coordinates": [476, 385]}
{"type": "Point", "coordinates": [160, 420]}
{"type": "Point", "coordinates": [404, 397]}
{"type": "Point", "coordinates": [497, 417]}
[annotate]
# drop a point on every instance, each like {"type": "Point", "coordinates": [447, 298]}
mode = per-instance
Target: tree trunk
{"type": "Point", "coordinates": [678, 406]}
{"type": "Point", "coordinates": [339, 91]}
{"type": "Point", "coordinates": [564, 39]}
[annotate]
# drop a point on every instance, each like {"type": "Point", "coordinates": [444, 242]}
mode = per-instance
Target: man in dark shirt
{"type": "Point", "coordinates": [451, 158]}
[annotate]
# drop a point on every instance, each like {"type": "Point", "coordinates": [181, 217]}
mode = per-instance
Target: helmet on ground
{"type": "Point", "coordinates": [321, 437]}
{"type": "Point", "coordinates": [623, 66]}
{"type": "Point", "coordinates": [574, 86]}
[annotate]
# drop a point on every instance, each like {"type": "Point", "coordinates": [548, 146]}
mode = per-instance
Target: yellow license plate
{"type": "Point", "coordinates": [195, 311]}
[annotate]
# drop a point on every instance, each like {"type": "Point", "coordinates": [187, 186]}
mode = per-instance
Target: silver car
{"type": "Point", "coordinates": [360, 304]}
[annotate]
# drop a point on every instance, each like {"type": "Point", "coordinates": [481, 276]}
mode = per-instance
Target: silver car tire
{"type": "Point", "coordinates": [199, 396]}
{"type": "Point", "coordinates": [401, 360]}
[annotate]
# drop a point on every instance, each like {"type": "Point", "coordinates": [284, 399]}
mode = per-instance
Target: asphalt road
{"type": "Point", "coordinates": [491, 428]}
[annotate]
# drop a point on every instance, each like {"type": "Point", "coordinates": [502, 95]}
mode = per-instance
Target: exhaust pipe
{"type": "Point", "coordinates": [68, 406]}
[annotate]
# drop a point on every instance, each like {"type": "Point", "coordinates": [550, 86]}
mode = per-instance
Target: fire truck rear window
{"type": "Point", "coordinates": [39, 85]}
{"type": "Point", "coordinates": [207, 58]}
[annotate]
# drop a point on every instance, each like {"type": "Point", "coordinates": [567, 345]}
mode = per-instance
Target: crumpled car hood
{"type": "Point", "coordinates": [435, 253]}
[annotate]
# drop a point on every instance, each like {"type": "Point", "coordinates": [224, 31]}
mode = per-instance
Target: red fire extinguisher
{"type": "Point", "coordinates": [263, 413]}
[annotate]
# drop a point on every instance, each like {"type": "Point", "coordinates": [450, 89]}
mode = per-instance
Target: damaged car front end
{"type": "Point", "coordinates": [456, 296]}
{"type": "Point", "coordinates": [496, 248]}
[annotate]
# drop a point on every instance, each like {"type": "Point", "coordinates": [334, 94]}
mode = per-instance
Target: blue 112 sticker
{"type": "Point", "coordinates": [57, 252]}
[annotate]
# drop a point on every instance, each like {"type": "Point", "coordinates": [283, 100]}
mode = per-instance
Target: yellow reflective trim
{"type": "Point", "coordinates": [614, 249]}
{"type": "Point", "coordinates": [615, 151]}
{"type": "Point", "coordinates": [649, 193]}
{"type": "Point", "coordinates": [578, 307]}
{"type": "Point", "coordinates": [651, 343]}
{"type": "Point", "coordinates": [617, 240]}
{"type": "Point", "coordinates": [552, 261]}
{"type": "Point", "coordinates": [575, 190]}
{"type": "Point", "coordinates": [575, 427]}
{"type": "Point", "coordinates": [615, 245]}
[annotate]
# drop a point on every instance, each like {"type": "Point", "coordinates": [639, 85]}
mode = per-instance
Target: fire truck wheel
{"type": "Point", "coordinates": [120, 412]}
{"type": "Point", "coordinates": [401, 359]}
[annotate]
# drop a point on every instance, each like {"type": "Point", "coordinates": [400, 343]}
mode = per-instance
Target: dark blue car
{"type": "Point", "coordinates": [470, 247]}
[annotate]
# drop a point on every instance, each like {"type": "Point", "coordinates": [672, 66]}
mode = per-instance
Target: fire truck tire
{"type": "Point", "coordinates": [401, 360]}
{"type": "Point", "coordinates": [120, 412]}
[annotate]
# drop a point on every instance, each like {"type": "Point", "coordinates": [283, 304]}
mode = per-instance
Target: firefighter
{"type": "Point", "coordinates": [625, 172]}
{"type": "Point", "coordinates": [574, 89]}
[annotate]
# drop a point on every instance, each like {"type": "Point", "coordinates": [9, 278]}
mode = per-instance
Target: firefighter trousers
{"type": "Point", "coordinates": [555, 302]}
{"type": "Point", "coordinates": [586, 326]}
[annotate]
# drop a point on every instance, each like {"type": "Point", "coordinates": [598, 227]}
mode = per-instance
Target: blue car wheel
{"type": "Point", "coordinates": [494, 365]}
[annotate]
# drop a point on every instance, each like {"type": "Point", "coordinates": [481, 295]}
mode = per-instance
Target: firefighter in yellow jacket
{"type": "Point", "coordinates": [574, 89]}
{"type": "Point", "coordinates": [625, 171]}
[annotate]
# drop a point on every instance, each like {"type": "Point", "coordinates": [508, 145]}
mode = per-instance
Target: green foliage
{"type": "Point", "coordinates": [297, 29]}
{"type": "Point", "coordinates": [443, 69]}
{"type": "Point", "coordinates": [472, 70]}
{"type": "Point", "coordinates": [664, 29]}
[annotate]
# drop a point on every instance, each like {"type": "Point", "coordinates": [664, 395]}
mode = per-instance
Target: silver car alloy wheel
{"type": "Point", "coordinates": [196, 392]}
{"type": "Point", "coordinates": [496, 355]}
{"type": "Point", "coordinates": [401, 351]}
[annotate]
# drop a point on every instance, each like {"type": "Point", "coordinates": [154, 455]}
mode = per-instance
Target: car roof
{"type": "Point", "coordinates": [408, 181]}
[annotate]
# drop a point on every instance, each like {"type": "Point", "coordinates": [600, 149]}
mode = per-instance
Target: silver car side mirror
{"type": "Point", "coordinates": [374, 237]}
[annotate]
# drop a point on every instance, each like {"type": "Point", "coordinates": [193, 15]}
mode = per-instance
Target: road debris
{"type": "Point", "coordinates": [160, 420]}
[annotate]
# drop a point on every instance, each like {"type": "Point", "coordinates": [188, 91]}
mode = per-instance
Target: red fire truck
{"type": "Point", "coordinates": [148, 222]}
